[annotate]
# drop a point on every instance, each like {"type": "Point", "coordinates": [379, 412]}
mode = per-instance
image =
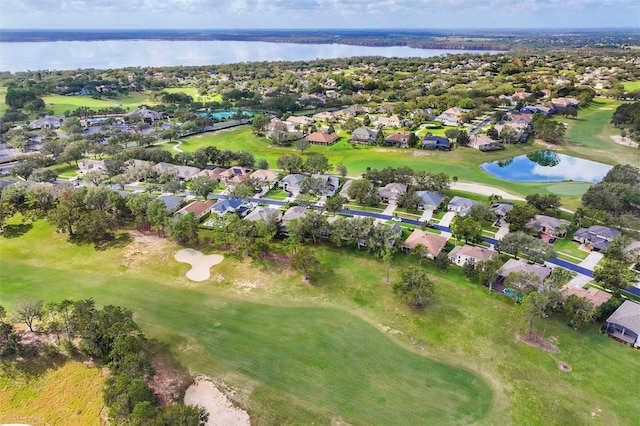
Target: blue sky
{"type": "Point", "coordinates": [224, 14]}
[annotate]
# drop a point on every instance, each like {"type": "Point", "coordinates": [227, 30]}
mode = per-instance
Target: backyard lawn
{"type": "Point", "coordinates": [312, 353]}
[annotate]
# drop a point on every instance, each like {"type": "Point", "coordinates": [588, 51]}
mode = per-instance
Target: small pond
{"type": "Point", "coordinates": [224, 115]}
{"type": "Point", "coordinates": [547, 166]}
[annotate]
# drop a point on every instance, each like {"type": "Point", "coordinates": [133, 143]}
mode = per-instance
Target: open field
{"type": "Point", "coordinates": [64, 393]}
{"type": "Point", "coordinates": [631, 86]}
{"type": "Point", "coordinates": [59, 103]}
{"type": "Point", "coordinates": [462, 162]}
{"type": "Point", "coordinates": [193, 92]}
{"type": "Point", "coordinates": [307, 354]}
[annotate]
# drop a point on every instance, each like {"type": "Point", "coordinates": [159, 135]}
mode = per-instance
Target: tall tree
{"type": "Point", "coordinates": [28, 311]}
{"type": "Point", "coordinates": [305, 262]}
{"type": "Point", "coordinates": [414, 287]}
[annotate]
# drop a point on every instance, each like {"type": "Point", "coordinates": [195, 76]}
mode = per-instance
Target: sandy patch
{"type": "Point", "coordinates": [487, 190]}
{"type": "Point", "coordinates": [143, 247]}
{"type": "Point", "coordinates": [624, 141]}
{"type": "Point", "coordinates": [200, 263]}
{"type": "Point", "coordinates": [563, 366]}
{"type": "Point", "coordinates": [204, 393]}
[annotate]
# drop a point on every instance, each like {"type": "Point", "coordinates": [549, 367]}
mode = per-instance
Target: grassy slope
{"type": "Point", "coordinates": [319, 361]}
{"type": "Point", "coordinates": [59, 104]}
{"type": "Point", "coordinates": [305, 358]}
{"type": "Point", "coordinates": [70, 393]}
{"type": "Point", "coordinates": [630, 86]}
{"type": "Point", "coordinates": [589, 136]}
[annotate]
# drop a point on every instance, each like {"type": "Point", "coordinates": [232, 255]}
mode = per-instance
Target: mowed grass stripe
{"type": "Point", "coordinates": [324, 357]}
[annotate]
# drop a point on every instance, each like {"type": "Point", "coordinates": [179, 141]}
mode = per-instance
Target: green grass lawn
{"type": "Point", "coordinates": [3, 94]}
{"type": "Point", "coordinates": [193, 92]}
{"type": "Point", "coordinates": [276, 194]}
{"type": "Point", "coordinates": [631, 86]}
{"type": "Point", "coordinates": [589, 136]}
{"type": "Point", "coordinates": [59, 103]}
{"type": "Point", "coordinates": [311, 353]}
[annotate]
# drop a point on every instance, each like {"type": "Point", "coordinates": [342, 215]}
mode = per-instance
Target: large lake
{"type": "Point", "coordinates": [64, 55]}
{"type": "Point", "coordinates": [547, 166]}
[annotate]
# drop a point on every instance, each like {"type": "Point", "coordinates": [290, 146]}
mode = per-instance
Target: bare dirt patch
{"type": "Point", "coordinates": [418, 153]}
{"type": "Point", "coordinates": [547, 145]}
{"type": "Point", "coordinates": [624, 141]}
{"type": "Point", "coordinates": [537, 341]}
{"type": "Point", "coordinates": [169, 383]}
{"type": "Point", "coordinates": [204, 392]}
{"type": "Point", "coordinates": [144, 246]}
{"type": "Point", "coordinates": [563, 366]}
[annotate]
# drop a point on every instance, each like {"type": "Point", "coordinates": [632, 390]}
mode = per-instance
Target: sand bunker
{"type": "Point", "coordinates": [200, 263]}
{"type": "Point", "coordinates": [624, 141]}
{"type": "Point", "coordinates": [204, 393]}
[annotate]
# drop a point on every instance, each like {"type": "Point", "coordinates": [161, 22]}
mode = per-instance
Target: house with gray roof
{"type": "Point", "coordinates": [345, 188]}
{"type": "Point", "coordinates": [48, 122]}
{"type": "Point", "coordinates": [364, 136]}
{"type": "Point", "coordinates": [147, 114]}
{"type": "Point", "coordinates": [331, 183]}
{"type": "Point", "coordinates": [624, 324]}
{"type": "Point", "coordinates": [519, 265]}
{"type": "Point", "coordinates": [183, 172]}
{"type": "Point", "coordinates": [292, 182]}
{"type": "Point", "coordinates": [598, 237]}
{"type": "Point", "coordinates": [264, 213]}
{"type": "Point", "coordinates": [429, 200]}
{"type": "Point", "coordinates": [171, 202]}
{"type": "Point", "coordinates": [501, 208]}
{"type": "Point", "coordinates": [549, 225]}
{"type": "Point", "coordinates": [391, 192]}
{"type": "Point", "coordinates": [461, 205]}
{"type": "Point", "coordinates": [295, 212]}
{"type": "Point", "coordinates": [433, 142]}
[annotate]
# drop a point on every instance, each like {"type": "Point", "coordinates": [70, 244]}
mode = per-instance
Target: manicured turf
{"type": "Point", "coordinates": [589, 136]}
{"type": "Point", "coordinates": [324, 362]}
{"type": "Point", "coordinates": [631, 86]}
{"type": "Point", "coordinates": [193, 92]}
{"type": "Point", "coordinates": [569, 188]}
{"type": "Point", "coordinates": [60, 104]}
{"type": "Point", "coordinates": [304, 353]}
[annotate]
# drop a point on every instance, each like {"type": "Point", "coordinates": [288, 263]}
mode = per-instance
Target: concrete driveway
{"type": "Point", "coordinates": [446, 219]}
{"type": "Point", "coordinates": [426, 215]}
{"type": "Point", "coordinates": [578, 281]}
{"type": "Point", "coordinates": [504, 230]}
{"type": "Point", "coordinates": [591, 261]}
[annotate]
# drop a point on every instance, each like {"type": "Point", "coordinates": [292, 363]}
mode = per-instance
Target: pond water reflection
{"type": "Point", "coordinates": [546, 166]}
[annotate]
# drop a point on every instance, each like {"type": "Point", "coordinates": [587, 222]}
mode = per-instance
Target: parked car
{"type": "Point", "coordinates": [396, 219]}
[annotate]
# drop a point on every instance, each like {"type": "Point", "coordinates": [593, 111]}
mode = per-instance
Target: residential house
{"type": "Point", "coordinates": [353, 110]}
{"type": "Point", "coordinates": [183, 172]}
{"type": "Point", "coordinates": [461, 205]}
{"type": "Point", "coordinates": [598, 237]}
{"type": "Point", "coordinates": [434, 243]}
{"type": "Point", "coordinates": [292, 182]}
{"type": "Point", "coordinates": [146, 114]}
{"type": "Point", "coordinates": [264, 213]}
{"type": "Point", "coordinates": [501, 209]}
{"type": "Point", "coordinates": [295, 212]}
{"type": "Point", "coordinates": [461, 255]}
{"type": "Point", "coordinates": [484, 143]}
{"type": "Point", "coordinates": [171, 202]}
{"type": "Point", "coordinates": [519, 265]}
{"type": "Point", "coordinates": [212, 173]}
{"type": "Point", "coordinates": [592, 294]}
{"type": "Point", "coordinates": [391, 121]}
{"type": "Point", "coordinates": [562, 103]}
{"type": "Point", "coordinates": [364, 136]}
{"type": "Point", "coordinates": [299, 121]}
{"type": "Point", "coordinates": [324, 115]}
{"type": "Point", "coordinates": [429, 200]}
{"type": "Point", "coordinates": [235, 175]}
{"type": "Point", "coordinates": [540, 108]}
{"type": "Point", "coordinates": [391, 192]}
{"type": "Point", "coordinates": [452, 116]}
{"type": "Point", "coordinates": [48, 122]}
{"type": "Point", "coordinates": [432, 142]}
{"type": "Point", "coordinates": [322, 138]}
{"type": "Point", "coordinates": [400, 140]}
{"type": "Point", "coordinates": [386, 108]}
{"type": "Point", "coordinates": [86, 164]}
{"type": "Point", "coordinates": [549, 225]}
{"type": "Point", "coordinates": [633, 251]}
{"type": "Point", "coordinates": [267, 177]}
{"type": "Point", "coordinates": [624, 324]}
{"type": "Point", "coordinates": [226, 205]}
{"type": "Point", "coordinates": [198, 208]}
{"type": "Point", "coordinates": [331, 183]}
